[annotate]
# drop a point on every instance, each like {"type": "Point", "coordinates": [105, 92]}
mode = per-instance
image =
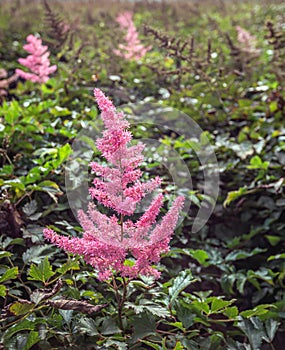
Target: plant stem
{"type": "Point", "coordinates": [272, 346]}
{"type": "Point", "coordinates": [120, 300]}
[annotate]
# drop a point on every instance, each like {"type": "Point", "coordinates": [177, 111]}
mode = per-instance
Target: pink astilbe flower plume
{"type": "Point", "coordinates": [247, 41]}
{"type": "Point", "coordinates": [133, 48]}
{"type": "Point", "coordinates": [109, 240]}
{"type": "Point", "coordinates": [37, 62]}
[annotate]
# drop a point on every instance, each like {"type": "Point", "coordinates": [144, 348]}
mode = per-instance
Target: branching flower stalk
{"type": "Point", "coordinates": [116, 245]}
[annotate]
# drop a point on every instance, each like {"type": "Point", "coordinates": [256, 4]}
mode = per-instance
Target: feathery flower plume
{"type": "Point", "coordinates": [247, 41]}
{"type": "Point", "coordinates": [133, 49]}
{"type": "Point", "coordinates": [109, 241]}
{"type": "Point", "coordinates": [37, 62]}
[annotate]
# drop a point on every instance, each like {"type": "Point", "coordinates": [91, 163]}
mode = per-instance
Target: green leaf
{"type": "Point", "coordinates": [63, 153]}
{"type": "Point", "coordinates": [69, 265]}
{"type": "Point", "coordinates": [36, 253]}
{"type": "Point", "coordinates": [257, 311]}
{"type": "Point", "coordinates": [182, 281]}
{"type": "Point", "coordinates": [115, 344]}
{"type": "Point", "coordinates": [184, 313]}
{"type": "Point", "coordinates": [10, 274]}
{"type": "Point", "coordinates": [271, 327]}
{"type": "Point", "coordinates": [253, 329]}
{"type": "Point", "coordinates": [87, 326]}
{"type": "Point", "coordinates": [33, 338]}
{"type": "Point", "coordinates": [24, 325]}
{"type": "Point", "coordinates": [5, 254]}
{"type": "Point", "coordinates": [144, 325]}
{"type": "Point", "coordinates": [233, 195]}
{"type": "Point", "coordinates": [257, 163]}
{"type": "Point", "coordinates": [179, 346]}
{"type": "Point", "coordinates": [3, 291]}
{"type": "Point", "coordinates": [275, 257]}
{"type": "Point", "coordinates": [109, 327]}
{"type": "Point", "coordinates": [42, 272]}
{"type": "Point", "coordinates": [231, 312]}
{"type": "Point", "coordinates": [49, 184]}
{"type": "Point", "coordinates": [21, 308]}
{"type": "Point", "coordinates": [201, 306]}
{"type": "Point", "coordinates": [148, 305]}
{"type": "Point", "coordinates": [273, 240]}
{"type": "Point", "coordinates": [219, 304]}
{"type": "Point", "coordinates": [200, 255]}
{"type": "Point", "coordinates": [242, 254]}
{"type": "Point", "coordinates": [152, 345]}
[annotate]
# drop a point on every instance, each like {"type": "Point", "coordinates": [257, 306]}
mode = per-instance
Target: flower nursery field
{"type": "Point", "coordinates": [142, 173]}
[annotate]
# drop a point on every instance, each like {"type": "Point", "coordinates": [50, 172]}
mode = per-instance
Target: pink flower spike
{"type": "Point", "coordinates": [247, 41]}
{"type": "Point", "coordinates": [37, 62]}
{"type": "Point", "coordinates": [108, 241]}
{"type": "Point", "coordinates": [104, 103]}
{"type": "Point", "coordinates": [132, 49]}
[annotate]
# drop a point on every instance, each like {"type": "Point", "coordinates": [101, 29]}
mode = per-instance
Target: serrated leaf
{"type": "Point", "coordinates": [30, 208]}
{"type": "Point", "coordinates": [271, 327]}
{"type": "Point", "coordinates": [201, 306]}
{"type": "Point", "coordinates": [109, 327]}
{"type": "Point", "coordinates": [256, 311]}
{"type": "Point", "coordinates": [147, 305]}
{"type": "Point", "coordinates": [18, 327]}
{"type": "Point", "coordinates": [9, 274]}
{"type": "Point", "coordinates": [219, 304]}
{"type": "Point", "coordinates": [182, 281]}
{"type": "Point", "coordinates": [36, 254]}
{"type": "Point", "coordinates": [144, 325]}
{"type": "Point", "coordinates": [87, 326]}
{"type": "Point", "coordinates": [69, 265]}
{"type": "Point", "coordinates": [231, 312]}
{"type": "Point", "coordinates": [253, 329]}
{"type": "Point", "coordinates": [185, 314]}
{"type": "Point", "coordinates": [21, 308]}
{"type": "Point", "coordinates": [43, 272]}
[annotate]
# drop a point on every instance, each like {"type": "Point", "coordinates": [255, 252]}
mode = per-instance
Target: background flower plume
{"type": "Point", "coordinates": [37, 62]}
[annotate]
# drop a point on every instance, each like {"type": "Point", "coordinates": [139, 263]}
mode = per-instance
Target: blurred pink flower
{"type": "Point", "coordinates": [116, 244]}
{"type": "Point", "coordinates": [133, 49]}
{"type": "Point", "coordinates": [37, 62]}
{"type": "Point", "coordinates": [247, 41]}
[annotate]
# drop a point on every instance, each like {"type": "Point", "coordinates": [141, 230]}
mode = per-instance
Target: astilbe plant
{"type": "Point", "coordinates": [108, 241]}
{"type": "Point", "coordinates": [133, 49]}
{"type": "Point", "coordinates": [37, 62]}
